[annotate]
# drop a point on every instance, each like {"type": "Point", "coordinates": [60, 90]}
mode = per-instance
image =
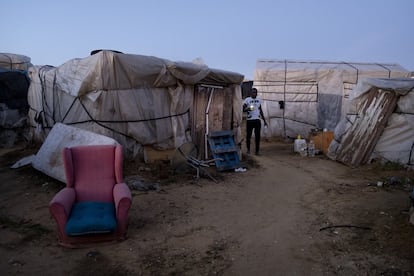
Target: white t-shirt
{"type": "Point", "coordinates": [253, 112]}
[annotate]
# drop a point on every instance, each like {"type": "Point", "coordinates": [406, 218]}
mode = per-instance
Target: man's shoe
{"type": "Point", "coordinates": [257, 153]}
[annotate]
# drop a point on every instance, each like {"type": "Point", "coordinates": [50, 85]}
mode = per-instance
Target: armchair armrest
{"type": "Point", "coordinates": [61, 204]}
{"type": "Point", "coordinates": [122, 200]}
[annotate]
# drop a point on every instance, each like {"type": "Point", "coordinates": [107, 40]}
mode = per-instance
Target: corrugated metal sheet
{"type": "Point", "coordinates": [373, 113]}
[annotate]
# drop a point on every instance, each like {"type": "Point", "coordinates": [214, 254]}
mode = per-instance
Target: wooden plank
{"type": "Point", "coordinates": [220, 114]}
{"type": "Point", "coordinates": [198, 123]}
{"type": "Point", "coordinates": [216, 111]}
{"type": "Point", "coordinates": [359, 141]}
{"type": "Point", "coordinates": [228, 109]}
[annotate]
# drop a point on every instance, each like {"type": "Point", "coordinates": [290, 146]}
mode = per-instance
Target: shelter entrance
{"type": "Point", "coordinates": [212, 111]}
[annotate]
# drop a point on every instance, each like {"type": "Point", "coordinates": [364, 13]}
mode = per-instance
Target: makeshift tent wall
{"type": "Point", "coordinates": [14, 84]}
{"type": "Point", "coordinates": [11, 61]}
{"type": "Point", "coordinates": [379, 124]}
{"type": "Point", "coordinates": [137, 100]}
{"type": "Point", "coordinates": [302, 95]}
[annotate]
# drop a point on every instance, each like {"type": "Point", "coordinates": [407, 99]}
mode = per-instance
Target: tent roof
{"type": "Point", "coordinates": [276, 64]}
{"type": "Point", "coordinates": [400, 85]}
{"type": "Point", "coordinates": [109, 70]}
{"type": "Point", "coordinates": [14, 61]}
{"type": "Point", "coordinates": [307, 70]}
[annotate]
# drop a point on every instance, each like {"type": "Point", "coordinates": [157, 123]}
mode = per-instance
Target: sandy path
{"type": "Point", "coordinates": [268, 220]}
{"type": "Point", "coordinates": [264, 221]}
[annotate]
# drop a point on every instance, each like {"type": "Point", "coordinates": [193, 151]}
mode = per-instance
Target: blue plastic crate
{"type": "Point", "coordinates": [222, 146]}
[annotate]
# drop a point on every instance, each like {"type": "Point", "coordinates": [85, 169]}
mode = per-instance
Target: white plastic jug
{"type": "Point", "coordinates": [298, 144]}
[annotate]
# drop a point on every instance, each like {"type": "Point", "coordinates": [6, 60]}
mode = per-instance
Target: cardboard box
{"type": "Point", "coordinates": [152, 155]}
{"type": "Point", "coordinates": [322, 140]}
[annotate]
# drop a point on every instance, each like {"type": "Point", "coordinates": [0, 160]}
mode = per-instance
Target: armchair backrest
{"type": "Point", "coordinates": [93, 170]}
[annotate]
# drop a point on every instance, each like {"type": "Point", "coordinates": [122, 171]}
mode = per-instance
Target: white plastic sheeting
{"type": "Point", "coordinates": [11, 61]}
{"type": "Point", "coordinates": [303, 95]}
{"type": "Point", "coordinates": [49, 157]}
{"type": "Point", "coordinates": [396, 143]}
{"type": "Point", "coordinates": [137, 100]}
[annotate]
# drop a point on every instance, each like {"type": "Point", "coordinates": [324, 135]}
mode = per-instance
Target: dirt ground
{"type": "Point", "coordinates": [286, 215]}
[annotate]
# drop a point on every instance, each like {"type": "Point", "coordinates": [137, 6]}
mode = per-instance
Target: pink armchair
{"type": "Point", "coordinates": [94, 204]}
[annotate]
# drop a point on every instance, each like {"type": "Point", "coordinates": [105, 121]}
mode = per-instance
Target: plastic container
{"type": "Point", "coordinates": [311, 149]}
{"type": "Point", "coordinates": [303, 149]}
{"type": "Point", "coordinates": [298, 143]}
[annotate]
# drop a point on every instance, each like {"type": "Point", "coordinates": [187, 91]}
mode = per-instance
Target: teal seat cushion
{"type": "Point", "coordinates": [91, 218]}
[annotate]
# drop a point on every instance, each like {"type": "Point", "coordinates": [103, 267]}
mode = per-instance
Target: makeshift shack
{"type": "Point", "coordinates": [300, 96]}
{"type": "Point", "coordinates": [379, 124]}
{"type": "Point", "coordinates": [143, 102]}
{"type": "Point", "coordinates": [14, 84]}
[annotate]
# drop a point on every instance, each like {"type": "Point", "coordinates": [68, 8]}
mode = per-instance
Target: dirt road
{"type": "Point", "coordinates": [268, 220]}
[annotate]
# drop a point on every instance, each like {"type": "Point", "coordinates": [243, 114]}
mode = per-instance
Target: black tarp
{"type": "Point", "coordinates": [14, 85]}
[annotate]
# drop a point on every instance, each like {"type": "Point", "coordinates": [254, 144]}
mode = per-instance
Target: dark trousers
{"type": "Point", "coordinates": [256, 125]}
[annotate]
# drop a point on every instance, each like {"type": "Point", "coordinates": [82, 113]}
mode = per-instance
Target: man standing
{"type": "Point", "coordinates": [253, 106]}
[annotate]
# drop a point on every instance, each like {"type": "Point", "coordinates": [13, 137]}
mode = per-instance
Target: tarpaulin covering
{"type": "Point", "coordinates": [11, 61]}
{"type": "Point", "coordinates": [395, 143]}
{"type": "Point", "coordinates": [14, 84]}
{"type": "Point", "coordinates": [137, 100]}
{"type": "Point", "coordinates": [302, 95]}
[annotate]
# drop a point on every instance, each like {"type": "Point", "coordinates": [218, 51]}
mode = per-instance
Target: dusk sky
{"type": "Point", "coordinates": [227, 35]}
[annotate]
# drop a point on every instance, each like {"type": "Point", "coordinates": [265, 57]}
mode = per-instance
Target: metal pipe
{"type": "Point", "coordinates": [207, 126]}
